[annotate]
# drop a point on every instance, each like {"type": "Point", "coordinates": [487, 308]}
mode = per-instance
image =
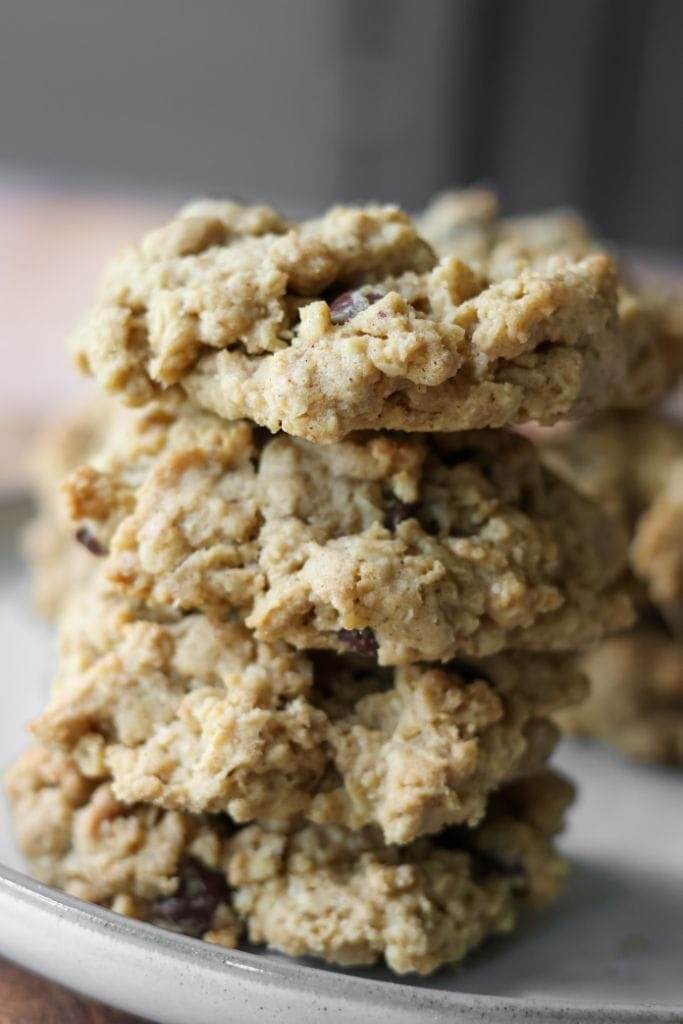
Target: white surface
{"type": "Point", "coordinates": [608, 951]}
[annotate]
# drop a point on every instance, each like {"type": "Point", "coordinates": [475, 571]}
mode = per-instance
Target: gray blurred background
{"type": "Point", "coordinates": [307, 101]}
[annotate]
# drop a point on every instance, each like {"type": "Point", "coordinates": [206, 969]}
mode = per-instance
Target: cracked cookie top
{"type": "Point", "coordinates": [351, 322]}
{"type": "Point", "coordinates": [467, 224]}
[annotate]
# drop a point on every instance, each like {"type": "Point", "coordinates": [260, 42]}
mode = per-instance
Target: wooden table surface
{"type": "Point", "coordinates": [27, 999]}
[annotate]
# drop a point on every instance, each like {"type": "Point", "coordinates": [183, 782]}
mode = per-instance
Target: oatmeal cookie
{"type": "Point", "coordinates": [636, 696]}
{"type": "Point", "coordinates": [466, 224]}
{"type": "Point", "coordinates": [58, 564]}
{"type": "Point", "coordinates": [633, 465]}
{"type": "Point", "coordinates": [197, 715]}
{"type": "Point", "coordinates": [420, 547]}
{"type": "Point", "coordinates": [316, 890]}
{"type": "Point", "coordinates": [657, 549]}
{"type": "Point", "coordinates": [351, 322]}
{"type": "Point", "coordinates": [158, 866]}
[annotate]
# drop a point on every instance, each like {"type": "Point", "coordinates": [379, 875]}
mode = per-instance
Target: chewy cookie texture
{"type": "Point", "coordinates": [304, 889]}
{"type": "Point", "coordinates": [197, 715]}
{"type": "Point", "coordinates": [352, 322]}
{"type": "Point", "coordinates": [467, 225]}
{"type": "Point", "coordinates": [316, 615]}
{"type": "Point", "coordinates": [417, 547]}
{"type": "Point", "coordinates": [633, 465]}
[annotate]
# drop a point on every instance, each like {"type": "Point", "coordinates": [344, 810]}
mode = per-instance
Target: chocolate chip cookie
{"type": "Point", "coordinates": [416, 547]}
{"type": "Point", "coordinates": [197, 715]}
{"type": "Point", "coordinates": [304, 889]}
{"type": "Point", "coordinates": [351, 322]}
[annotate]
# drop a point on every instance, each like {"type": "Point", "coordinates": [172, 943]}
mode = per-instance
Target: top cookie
{"type": "Point", "coordinates": [466, 224]}
{"type": "Point", "coordinates": [351, 322]}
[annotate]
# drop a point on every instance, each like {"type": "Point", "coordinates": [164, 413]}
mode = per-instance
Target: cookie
{"type": "Point", "coordinates": [636, 696]}
{"type": "Point", "coordinates": [138, 861]}
{"type": "Point", "coordinates": [351, 322]}
{"type": "Point", "coordinates": [317, 890]}
{"type": "Point", "coordinates": [657, 548]}
{"type": "Point", "coordinates": [58, 564]}
{"type": "Point", "coordinates": [466, 224]}
{"type": "Point", "coordinates": [633, 465]}
{"type": "Point", "coordinates": [197, 715]}
{"type": "Point", "coordinates": [418, 547]}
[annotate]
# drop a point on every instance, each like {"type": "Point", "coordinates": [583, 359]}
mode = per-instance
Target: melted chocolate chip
{"type": "Point", "coordinates": [191, 908]}
{"type": "Point", "coordinates": [348, 304]}
{"type": "Point", "coordinates": [397, 511]}
{"type": "Point", "coordinates": [362, 641]}
{"type": "Point", "coordinates": [90, 541]}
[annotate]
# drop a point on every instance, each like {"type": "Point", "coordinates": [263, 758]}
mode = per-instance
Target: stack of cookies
{"type": "Point", "coordinates": [633, 464]}
{"type": "Point", "coordinates": [317, 607]}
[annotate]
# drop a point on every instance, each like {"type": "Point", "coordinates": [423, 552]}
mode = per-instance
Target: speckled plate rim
{"type": "Point", "coordinates": [252, 979]}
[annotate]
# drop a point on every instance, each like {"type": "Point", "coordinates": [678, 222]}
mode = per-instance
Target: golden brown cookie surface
{"type": "Point", "coordinates": [419, 547]}
{"type": "Point", "coordinates": [196, 715]}
{"type": "Point", "coordinates": [306, 890]}
{"type": "Point", "coordinates": [350, 322]}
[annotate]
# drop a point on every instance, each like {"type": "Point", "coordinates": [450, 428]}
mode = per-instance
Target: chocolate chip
{"type": "Point", "coordinates": [191, 908]}
{"type": "Point", "coordinates": [90, 541]}
{"type": "Point", "coordinates": [349, 303]}
{"type": "Point", "coordinates": [362, 641]}
{"type": "Point", "coordinates": [397, 511]}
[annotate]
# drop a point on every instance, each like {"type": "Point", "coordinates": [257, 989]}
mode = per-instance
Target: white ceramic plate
{"type": "Point", "coordinates": [610, 951]}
